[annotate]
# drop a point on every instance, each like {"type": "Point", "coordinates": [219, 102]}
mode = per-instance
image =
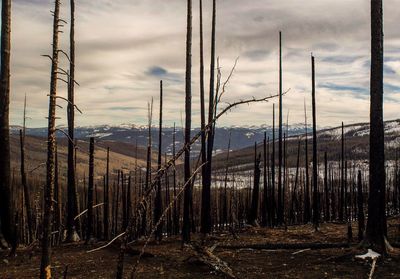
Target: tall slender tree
{"type": "Point", "coordinates": [158, 198]}
{"type": "Point", "coordinates": [45, 269]}
{"type": "Point", "coordinates": [376, 231]}
{"type": "Point", "coordinates": [106, 198]}
{"type": "Point", "coordinates": [315, 158]}
{"type": "Point", "coordinates": [90, 203]}
{"type": "Point", "coordinates": [342, 179]}
{"type": "Point", "coordinates": [273, 200]}
{"type": "Point", "coordinates": [252, 219]}
{"type": "Point", "coordinates": [188, 121]}
{"type": "Point", "coordinates": [24, 182]}
{"type": "Point", "coordinates": [206, 195]}
{"type": "Point", "coordinates": [280, 148]}
{"type": "Point", "coordinates": [360, 205]}
{"type": "Point", "coordinates": [307, 206]}
{"type": "Point", "coordinates": [72, 199]}
{"type": "Point", "coordinates": [5, 173]}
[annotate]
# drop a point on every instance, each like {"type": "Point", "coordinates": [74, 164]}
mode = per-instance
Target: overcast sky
{"type": "Point", "coordinates": [124, 47]}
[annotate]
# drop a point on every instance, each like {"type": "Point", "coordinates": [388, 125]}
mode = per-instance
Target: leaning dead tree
{"type": "Point", "coordinates": [376, 232]}
{"type": "Point", "coordinates": [45, 269]}
{"type": "Point", "coordinates": [72, 199]}
{"type": "Point", "coordinates": [5, 180]}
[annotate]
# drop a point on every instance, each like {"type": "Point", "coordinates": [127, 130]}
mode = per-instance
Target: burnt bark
{"type": "Point", "coordinates": [5, 169]}
{"type": "Point", "coordinates": [376, 225]}
{"type": "Point", "coordinates": [89, 220]}
{"type": "Point", "coordinates": [45, 269]}
{"type": "Point", "coordinates": [188, 121]}
{"type": "Point", "coordinates": [158, 198]}
{"type": "Point", "coordinates": [72, 198]}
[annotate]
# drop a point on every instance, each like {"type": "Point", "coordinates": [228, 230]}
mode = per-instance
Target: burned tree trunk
{"type": "Point", "coordinates": [72, 199]}
{"type": "Point", "coordinates": [206, 195]}
{"type": "Point", "coordinates": [315, 158]}
{"type": "Point", "coordinates": [5, 172]}
{"type": "Point", "coordinates": [225, 195]}
{"type": "Point", "coordinates": [280, 195]}
{"type": "Point", "coordinates": [307, 207]}
{"type": "Point", "coordinates": [106, 198]}
{"type": "Point", "coordinates": [89, 220]}
{"type": "Point", "coordinates": [342, 190]}
{"type": "Point", "coordinates": [265, 182]}
{"type": "Point", "coordinates": [360, 204]}
{"type": "Point", "coordinates": [45, 269]}
{"type": "Point", "coordinates": [23, 178]}
{"type": "Point", "coordinates": [158, 198]}
{"type": "Point", "coordinates": [273, 202]}
{"type": "Point", "coordinates": [252, 220]}
{"type": "Point", "coordinates": [188, 121]}
{"type": "Point", "coordinates": [327, 196]}
{"type": "Point", "coordinates": [375, 236]}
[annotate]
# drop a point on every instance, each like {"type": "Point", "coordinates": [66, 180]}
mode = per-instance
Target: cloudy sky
{"type": "Point", "coordinates": [124, 47]}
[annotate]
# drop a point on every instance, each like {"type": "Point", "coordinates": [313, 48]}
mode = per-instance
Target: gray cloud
{"type": "Point", "coordinates": [125, 47]}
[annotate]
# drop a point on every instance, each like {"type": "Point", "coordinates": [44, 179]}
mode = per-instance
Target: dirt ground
{"type": "Point", "coordinates": [170, 260]}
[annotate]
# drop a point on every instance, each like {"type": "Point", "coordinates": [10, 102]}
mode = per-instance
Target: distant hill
{"type": "Point", "coordinates": [241, 136]}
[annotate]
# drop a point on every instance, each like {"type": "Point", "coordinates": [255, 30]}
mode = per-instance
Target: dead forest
{"type": "Point", "coordinates": [297, 206]}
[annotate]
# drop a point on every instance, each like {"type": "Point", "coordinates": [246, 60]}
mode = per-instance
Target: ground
{"type": "Point", "coordinates": [172, 261]}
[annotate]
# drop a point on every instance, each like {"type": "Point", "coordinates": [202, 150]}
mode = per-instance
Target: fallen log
{"type": "Point", "coordinates": [286, 246]}
{"type": "Point", "coordinates": [205, 256]}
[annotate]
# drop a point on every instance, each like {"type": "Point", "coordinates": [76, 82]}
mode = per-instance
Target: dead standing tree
{"type": "Point", "coordinates": [158, 198]}
{"type": "Point", "coordinates": [72, 198]}
{"type": "Point", "coordinates": [45, 269]}
{"type": "Point", "coordinates": [252, 220]}
{"type": "Point", "coordinates": [315, 158]}
{"type": "Point", "coordinates": [5, 180]}
{"type": "Point", "coordinates": [89, 220]}
{"type": "Point", "coordinates": [188, 119]}
{"type": "Point", "coordinates": [23, 177]}
{"type": "Point", "coordinates": [375, 236]}
{"type": "Point", "coordinates": [280, 149]}
{"type": "Point", "coordinates": [206, 223]}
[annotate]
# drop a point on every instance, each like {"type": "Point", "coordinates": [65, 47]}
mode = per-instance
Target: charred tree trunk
{"type": "Point", "coordinates": [315, 158]}
{"type": "Point", "coordinates": [307, 207]}
{"type": "Point", "coordinates": [273, 201]}
{"type": "Point", "coordinates": [225, 195]}
{"type": "Point", "coordinates": [178, 202]}
{"type": "Point", "coordinates": [106, 198]}
{"type": "Point", "coordinates": [252, 220]}
{"type": "Point", "coordinates": [45, 269]}
{"type": "Point", "coordinates": [24, 181]}
{"type": "Point", "coordinates": [265, 182]}
{"type": "Point", "coordinates": [280, 195]}
{"type": "Point", "coordinates": [6, 219]}
{"type": "Point", "coordinates": [206, 194]}
{"type": "Point", "coordinates": [376, 225]}
{"type": "Point", "coordinates": [188, 121]}
{"type": "Point", "coordinates": [89, 221]}
{"type": "Point", "coordinates": [158, 198]}
{"type": "Point", "coordinates": [72, 198]}
{"type": "Point", "coordinates": [327, 196]}
{"type": "Point", "coordinates": [360, 203]}
{"type": "Point", "coordinates": [342, 194]}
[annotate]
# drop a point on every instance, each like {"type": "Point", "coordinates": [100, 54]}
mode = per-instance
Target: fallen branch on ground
{"type": "Point", "coordinates": [286, 246]}
{"type": "Point", "coordinates": [205, 255]}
